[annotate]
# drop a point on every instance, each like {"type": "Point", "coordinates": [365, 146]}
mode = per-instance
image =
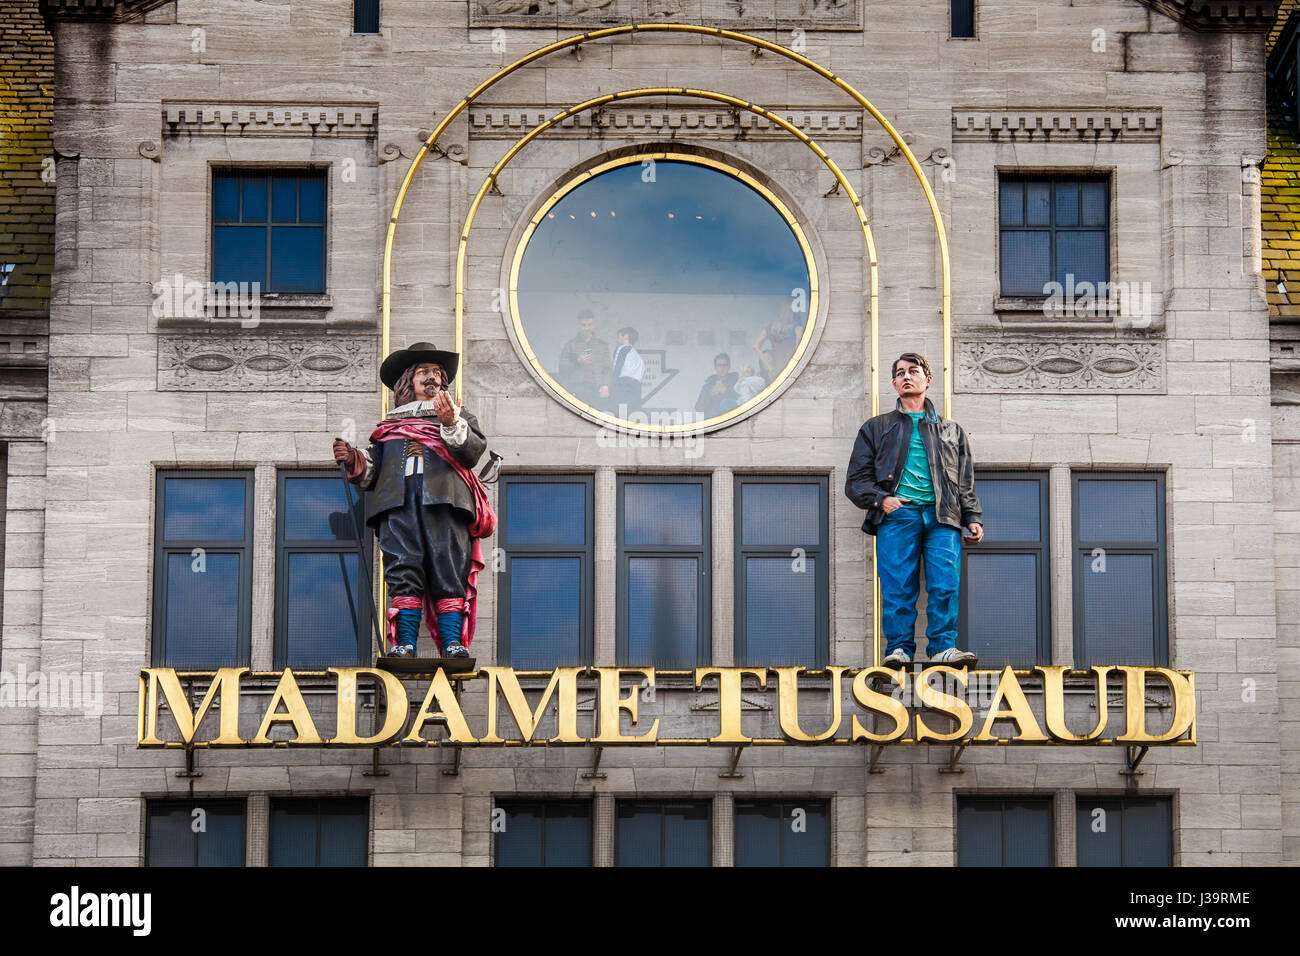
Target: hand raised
{"type": "Point", "coordinates": [342, 450]}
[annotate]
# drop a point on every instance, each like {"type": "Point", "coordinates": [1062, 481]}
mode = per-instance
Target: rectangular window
{"type": "Point", "coordinates": [1120, 592]}
{"type": "Point", "coordinates": [663, 833]}
{"type": "Point", "coordinates": [545, 605]}
{"type": "Point", "coordinates": [782, 571]}
{"type": "Point", "coordinates": [1004, 831]}
{"type": "Point", "coordinates": [544, 833]}
{"type": "Point", "coordinates": [194, 833]}
{"type": "Point", "coordinates": [963, 19]}
{"type": "Point", "coordinates": [1124, 831]}
{"type": "Point", "coordinates": [365, 16]}
{"type": "Point", "coordinates": [203, 576]}
{"type": "Point", "coordinates": [269, 228]}
{"type": "Point", "coordinates": [1005, 588]}
{"type": "Point", "coordinates": [663, 572]}
{"type": "Point", "coordinates": [322, 610]}
{"type": "Point", "coordinates": [1053, 228]}
{"type": "Point", "coordinates": [783, 833]}
{"type": "Point", "coordinates": [319, 832]}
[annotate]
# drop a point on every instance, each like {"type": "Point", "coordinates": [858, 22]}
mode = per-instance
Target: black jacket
{"type": "Point", "coordinates": [441, 483]}
{"type": "Point", "coordinates": [880, 453]}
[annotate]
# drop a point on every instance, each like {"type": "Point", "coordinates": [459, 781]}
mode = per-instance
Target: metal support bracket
{"type": "Point", "coordinates": [877, 751]}
{"type": "Point", "coordinates": [375, 770]}
{"type": "Point", "coordinates": [957, 751]}
{"type": "Point", "coordinates": [1133, 755]}
{"type": "Point", "coordinates": [595, 773]}
{"type": "Point", "coordinates": [454, 769]}
{"type": "Point", "coordinates": [732, 773]}
{"type": "Point", "coordinates": [189, 770]}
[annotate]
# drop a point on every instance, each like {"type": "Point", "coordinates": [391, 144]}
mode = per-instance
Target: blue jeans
{"type": "Point", "coordinates": [907, 536]}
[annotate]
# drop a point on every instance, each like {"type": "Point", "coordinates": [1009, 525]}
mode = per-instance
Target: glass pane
{"type": "Point", "coordinates": [979, 833]}
{"type": "Point", "coordinates": [546, 513]}
{"type": "Point", "coordinates": [758, 834]}
{"type": "Point", "coordinates": [311, 199]}
{"type": "Point", "coordinates": [239, 254]}
{"type": "Point", "coordinates": [686, 834]}
{"type": "Point", "coordinates": [1118, 609]}
{"type": "Point", "coordinates": [1081, 254]}
{"type": "Point", "coordinates": [1001, 607]}
{"type": "Point", "coordinates": [284, 198]}
{"type": "Point", "coordinates": [1147, 829]}
{"type": "Point", "coordinates": [325, 609]}
{"type": "Point", "coordinates": [293, 833]}
{"type": "Point", "coordinates": [254, 190]}
{"type": "Point", "coordinates": [1038, 204]}
{"type": "Point", "coordinates": [1028, 833]}
{"type": "Point", "coordinates": [344, 832]}
{"type": "Point", "coordinates": [202, 614]}
{"type": "Point", "coordinates": [1026, 263]}
{"type": "Point", "coordinates": [787, 515]}
{"type": "Point", "coordinates": [661, 513]}
{"type": "Point", "coordinates": [1011, 509]}
{"type": "Point", "coordinates": [963, 18]}
{"type": "Point", "coordinates": [223, 843]}
{"type": "Point", "coordinates": [668, 258]}
{"type": "Point", "coordinates": [807, 846]}
{"type": "Point", "coordinates": [315, 509]}
{"type": "Point", "coordinates": [1097, 834]}
{"type": "Point", "coordinates": [780, 611]}
{"type": "Point", "coordinates": [1012, 203]}
{"type": "Point", "coordinates": [225, 198]}
{"type": "Point", "coordinates": [1118, 510]}
{"type": "Point", "coordinates": [1067, 204]}
{"type": "Point", "coordinates": [568, 834]}
{"type": "Point", "coordinates": [663, 612]}
{"type": "Point", "coordinates": [545, 612]}
{"type": "Point", "coordinates": [1095, 204]}
{"type": "Point", "coordinates": [639, 840]}
{"type": "Point", "coordinates": [203, 508]}
{"type": "Point", "coordinates": [170, 840]}
{"type": "Point", "coordinates": [520, 843]}
{"type": "Point", "coordinates": [297, 259]}
{"type": "Point", "coordinates": [365, 16]}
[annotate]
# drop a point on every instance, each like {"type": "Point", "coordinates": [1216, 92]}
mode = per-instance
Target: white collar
{"type": "Point", "coordinates": [417, 409]}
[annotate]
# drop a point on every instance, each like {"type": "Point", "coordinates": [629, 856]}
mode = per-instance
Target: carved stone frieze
{"type": "Point", "coordinates": [1082, 365]}
{"type": "Point", "coordinates": [510, 121]}
{"type": "Point", "coordinates": [728, 14]}
{"type": "Point", "coordinates": [274, 119]}
{"type": "Point", "coordinates": [975, 125]}
{"type": "Point", "coordinates": [221, 362]}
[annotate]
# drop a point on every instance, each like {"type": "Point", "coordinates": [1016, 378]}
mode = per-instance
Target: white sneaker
{"type": "Point", "coordinates": [898, 658]}
{"type": "Point", "coordinates": [956, 657]}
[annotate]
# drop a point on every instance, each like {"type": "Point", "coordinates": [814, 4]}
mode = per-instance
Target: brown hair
{"type": "Point", "coordinates": [404, 389]}
{"type": "Point", "coordinates": [916, 358]}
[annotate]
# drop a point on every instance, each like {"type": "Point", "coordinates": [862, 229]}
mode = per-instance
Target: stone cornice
{"type": "Point", "coordinates": [113, 11]}
{"type": "Point", "coordinates": [511, 121]}
{"type": "Point", "coordinates": [1233, 16]}
{"type": "Point", "coordinates": [277, 119]}
{"type": "Point", "coordinates": [1028, 124]}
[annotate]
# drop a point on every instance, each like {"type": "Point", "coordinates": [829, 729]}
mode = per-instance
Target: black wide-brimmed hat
{"type": "Point", "coordinates": [417, 354]}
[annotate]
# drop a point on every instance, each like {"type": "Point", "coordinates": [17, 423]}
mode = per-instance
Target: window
{"type": "Point", "coordinates": [203, 576]}
{"type": "Point", "coordinates": [963, 19]}
{"type": "Point", "coordinates": [1005, 588]}
{"type": "Point", "coordinates": [1053, 229]}
{"type": "Point", "coordinates": [544, 833]}
{"type": "Point", "coordinates": [789, 833]}
{"type": "Point", "coordinates": [663, 572]}
{"type": "Point", "coordinates": [547, 534]}
{"type": "Point", "coordinates": [663, 833]}
{"type": "Point", "coordinates": [782, 572]}
{"type": "Point", "coordinates": [365, 16]}
{"type": "Point", "coordinates": [194, 833]}
{"type": "Point", "coordinates": [1124, 831]}
{"type": "Point", "coordinates": [997, 831]}
{"type": "Point", "coordinates": [269, 228]}
{"type": "Point", "coordinates": [1119, 569]}
{"type": "Point", "coordinates": [322, 610]}
{"type": "Point", "coordinates": [319, 832]}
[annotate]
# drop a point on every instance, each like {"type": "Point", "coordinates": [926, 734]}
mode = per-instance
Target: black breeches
{"type": "Point", "coordinates": [427, 549]}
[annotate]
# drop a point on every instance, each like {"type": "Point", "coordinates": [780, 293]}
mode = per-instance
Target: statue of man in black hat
{"type": "Point", "coordinates": [428, 508]}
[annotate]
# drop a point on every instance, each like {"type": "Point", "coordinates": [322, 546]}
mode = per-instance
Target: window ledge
{"type": "Point", "coordinates": [1030, 312]}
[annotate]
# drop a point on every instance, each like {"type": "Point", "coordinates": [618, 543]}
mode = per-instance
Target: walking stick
{"type": "Point", "coordinates": [361, 559]}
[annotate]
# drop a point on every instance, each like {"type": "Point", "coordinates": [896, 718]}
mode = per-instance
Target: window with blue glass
{"type": "Point", "coordinates": [329, 832]}
{"type": "Point", "coordinates": [322, 610]}
{"type": "Point", "coordinates": [545, 605]}
{"type": "Point", "coordinates": [1120, 591]}
{"type": "Point", "coordinates": [365, 16]}
{"type": "Point", "coordinates": [203, 577]}
{"type": "Point", "coordinates": [269, 228]}
{"type": "Point", "coordinates": [1004, 831]}
{"type": "Point", "coordinates": [782, 571]}
{"type": "Point", "coordinates": [1005, 587]}
{"type": "Point", "coordinates": [194, 833]}
{"type": "Point", "coordinates": [962, 19]}
{"type": "Point", "coordinates": [1053, 229]}
{"type": "Point", "coordinates": [663, 833]}
{"type": "Point", "coordinates": [543, 833]}
{"type": "Point", "coordinates": [783, 833]}
{"type": "Point", "coordinates": [1124, 831]}
{"type": "Point", "coordinates": [663, 572]}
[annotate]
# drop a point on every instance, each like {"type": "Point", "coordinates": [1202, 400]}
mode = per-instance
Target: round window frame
{"type": "Point", "coordinates": [782, 204]}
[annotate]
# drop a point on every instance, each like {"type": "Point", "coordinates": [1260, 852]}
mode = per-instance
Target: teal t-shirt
{"type": "Point", "coordinates": [915, 485]}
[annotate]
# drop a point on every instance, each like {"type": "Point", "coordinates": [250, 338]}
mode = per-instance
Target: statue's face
{"type": "Point", "coordinates": [428, 380]}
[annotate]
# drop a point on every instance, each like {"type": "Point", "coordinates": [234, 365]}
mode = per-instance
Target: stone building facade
{"type": "Point", "coordinates": [1162, 103]}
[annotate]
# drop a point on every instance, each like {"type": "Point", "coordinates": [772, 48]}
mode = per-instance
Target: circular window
{"type": "Point", "coordinates": [663, 292]}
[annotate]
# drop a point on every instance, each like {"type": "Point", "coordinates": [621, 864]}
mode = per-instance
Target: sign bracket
{"type": "Point", "coordinates": [732, 773]}
{"type": "Point", "coordinates": [595, 773]}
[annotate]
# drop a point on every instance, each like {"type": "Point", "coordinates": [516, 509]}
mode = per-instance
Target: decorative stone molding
{"type": "Point", "coordinates": [276, 119]}
{"type": "Point", "coordinates": [1235, 16]}
{"type": "Point", "coordinates": [511, 121]}
{"type": "Point", "coordinates": [1087, 365]}
{"type": "Point", "coordinates": [270, 363]}
{"type": "Point", "coordinates": [114, 10]}
{"type": "Point", "coordinates": [728, 14]}
{"type": "Point", "coordinates": [974, 125]}
{"type": "Point", "coordinates": [151, 149]}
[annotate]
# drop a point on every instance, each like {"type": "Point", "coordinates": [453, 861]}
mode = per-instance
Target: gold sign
{"type": "Point", "coordinates": [936, 704]}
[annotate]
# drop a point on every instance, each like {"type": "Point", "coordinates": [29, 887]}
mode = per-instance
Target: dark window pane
{"type": "Point", "coordinates": [1081, 254]}
{"type": "Point", "coordinates": [1038, 204]}
{"type": "Point", "coordinates": [1147, 833]}
{"type": "Point", "coordinates": [284, 198]}
{"type": "Point", "coordinates": [545, 513]}
{"type": "Point", "coordinates": [1095, 204]}
{"type": "Point", "coordinates": [1026, 263]}
{"type": "Point", "coordinates": [651, 833]}
{"type": "Point", "coordinates": [979, 833]}
{"type": "Point", "coordinates": [639, 840]}
{"type": "Point", "coordinates": [663, 611]}
{"type": "Point", "coordinates": [365, 16]}
{"type": "Point", "coordinates": [1012, 203]}
{"type": "Point", "coordinates": [297, 259]}
{"type": "Point", "coordinates": [992, 831]}
{"type": "Point", "coordinates": [780, 514]}
{"type": "Point", "coordinates": [780, 611]}
{"type": "Point", "coordinates": [319, 832]}
{"type": "Point", "coordinates": [202, 624]}
{"type": "Point", "coordinates": [1011, 509]}
{"type": "Point", "coordinates": [686, 834]}
{"type": "Point", "coordinates": [1119, 612]}
{"type": "Point", "coordinates": [963, 18]}
{"type": "Point", "coordinates": [758, 834]}
{"type": "Point", "coordinates": [225, 198]}
{"type": "Point", "coordinates": [1118, 510]}
{"type": "Point", "coordinates": [316, 510]}
{"type": "Point", "coordinates": [545, 612]}
{"type": "Point", "coordinates": [809, 846]}
{"type": "Point", "coordinates": [311, 199]}
{"type": "Point", "coordinates": [568, 833]}
{"type": "Point", "coordinates": [211, 508]}
{"type": "Point", "coordinates": [173, 840]}
{"type": "Point", "coordinates": [663, 514]}
{"type": "Point", "coordinates": [1067, 204]}
{"type": "Point", "coordinates": [254, 190]}
{"type": "Point", "coordinates": [1098, 834]}
{"type": "Point", "coordinates": [239, 254]}
{"type": "Point", "coordinates": [344, 832]}
{"type": "Point", "coordinates": [1027, 830]}
{"type": "Point", "coordinates": [520, 843]}
{"type": "Point", "coordinates": [324, 610]}
{"type": "Point", "coordinates": [293, 834]}
{"type": "Point", "coordinates": [1001, 593]}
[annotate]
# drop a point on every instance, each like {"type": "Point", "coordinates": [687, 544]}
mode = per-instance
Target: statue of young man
{"type": "Point", "coordinates": [427, 507]}
{"type": "Point", "coordinates": [913, 473]}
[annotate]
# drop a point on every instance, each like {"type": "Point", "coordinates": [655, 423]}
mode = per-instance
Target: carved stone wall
{"type": "Point", "coordinates": [1017, 365]}
{"type": "Point", "coordinates": [728, 14]}
{"type": "Point", "coordinates": [269, 363]}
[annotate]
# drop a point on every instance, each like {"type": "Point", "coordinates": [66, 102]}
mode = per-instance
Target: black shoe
{"type": "Point", "coordinates": [402, 650]}
{"type": "Point", "coordinates": [455, 649]}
